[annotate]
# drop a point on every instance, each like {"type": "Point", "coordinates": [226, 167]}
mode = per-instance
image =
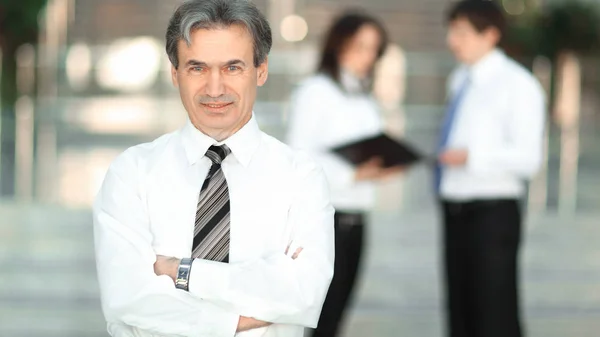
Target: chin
{"type": "Point", "coordinates": [216, 121]}
{"type": "Point", "coordinates": [458, 57]}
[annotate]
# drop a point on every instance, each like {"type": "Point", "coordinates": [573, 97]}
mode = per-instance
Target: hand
{"type": "Point", "coordinates": [373, 170]}
{"type": "Point", "coordinates": [389, 172]}
{"type": "Point", "coordinates": [248, 323]}
{"type": "Point", "coordinates": [165, 265]}
{"type": "Point", "coordinates": [454, 157]}
{"type": "Point", "coordinates": [369, 170]}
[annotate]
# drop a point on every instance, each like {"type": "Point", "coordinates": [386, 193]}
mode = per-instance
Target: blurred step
{"type": "Point", "coordinates": [52, 321]}
{"type": "Point", "coordinates": [56, 285]}
{"type": "Point", "coordinates": [46, 248]}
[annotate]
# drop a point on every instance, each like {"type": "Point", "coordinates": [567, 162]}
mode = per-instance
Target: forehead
{"type": "Point", "coordinates": [218, 45]}
{"type": "Point", "coordinates": [367, 32]}
{"type": "Point", "coordinates": [462, 23]}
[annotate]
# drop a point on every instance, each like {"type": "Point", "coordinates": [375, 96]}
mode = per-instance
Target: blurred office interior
{"type": "Point", "coordinates": [95, 80]}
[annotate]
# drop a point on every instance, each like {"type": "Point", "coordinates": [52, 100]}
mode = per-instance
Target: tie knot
{"type": "Point", "coordinates": [218, 153]}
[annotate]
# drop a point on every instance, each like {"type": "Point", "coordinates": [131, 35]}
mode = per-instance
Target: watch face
{"type": "Point", "coordinates": [183, 273]}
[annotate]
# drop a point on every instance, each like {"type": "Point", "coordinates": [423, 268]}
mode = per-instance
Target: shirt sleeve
{"type": "Point", "coordinates": [308, 120]}
{"type": "Point", "coordinates": [131, 293]}
{"type": "Point", "coordinates": [522, 149]}
{"type": "Point", "coordinates": [279, 289]}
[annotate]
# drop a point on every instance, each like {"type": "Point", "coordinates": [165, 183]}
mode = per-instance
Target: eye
{"type": "Point", "coordinates": [197, 69]}
{"type": "Point", "coordinates": [233, 69]}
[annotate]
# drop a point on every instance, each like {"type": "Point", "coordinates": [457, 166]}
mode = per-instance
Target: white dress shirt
{"type": "Point", "coordinates": [500, 122]}
{"type": "Point", "coordinates": [147, 205]}
{"type": "Point", "coordinates": [323, 116]}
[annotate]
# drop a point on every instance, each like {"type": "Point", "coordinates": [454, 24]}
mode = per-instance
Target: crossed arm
{"type": "Point", "coordinates": [222, 297]}
{"type": "Point", "coordinates": [168, 266]}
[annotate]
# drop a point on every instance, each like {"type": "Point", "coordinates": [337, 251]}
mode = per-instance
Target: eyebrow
{"type": "Point", "coordinates": [197, 63]}
{"type": "Point", "coordinates": [235, 62]}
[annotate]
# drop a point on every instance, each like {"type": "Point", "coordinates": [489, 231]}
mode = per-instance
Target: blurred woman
{"type": "Point", "coordinates": [333, 107]}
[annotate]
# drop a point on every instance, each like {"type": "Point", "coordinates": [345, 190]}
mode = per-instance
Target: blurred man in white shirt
{"type": "Point", "coordinates": [216, 228]}
{"type": "Point", "coordinates": [490, 144]}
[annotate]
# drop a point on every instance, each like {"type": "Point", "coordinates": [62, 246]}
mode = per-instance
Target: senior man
{"type": "Point", "coordinates": [216, 228]}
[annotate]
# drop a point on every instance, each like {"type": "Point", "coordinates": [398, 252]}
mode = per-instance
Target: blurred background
{"type": "Point", "coordinates": [82, 80]}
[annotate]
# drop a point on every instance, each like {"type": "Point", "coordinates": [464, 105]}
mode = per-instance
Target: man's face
{"type": "Point", "coordinates": [217, 79]}
{"type": "Point", "coordinates": [467, 44]}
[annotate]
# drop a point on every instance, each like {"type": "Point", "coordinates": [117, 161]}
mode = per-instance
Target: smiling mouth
{"type": "Point", "coordinates": [216, 107]}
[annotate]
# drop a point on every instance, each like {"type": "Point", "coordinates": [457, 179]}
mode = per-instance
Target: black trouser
{"type": "Point", "coordinates": [481, 244]}
{"type": "Point", "coordinates": [349, 229]}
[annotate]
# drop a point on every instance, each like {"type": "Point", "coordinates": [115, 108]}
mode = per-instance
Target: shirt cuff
{"type": "Point", "coordinates": [476, 159]}
{"type": "Point", "coordinates": [208, 279]}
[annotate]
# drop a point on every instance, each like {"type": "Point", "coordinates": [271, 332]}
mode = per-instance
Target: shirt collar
{"type": "Point", "coordinates": [485, 68]}
{"type": "Point", "coordinates": [243, 143]}
{"type": "Point", "coordinates": [351, 83]}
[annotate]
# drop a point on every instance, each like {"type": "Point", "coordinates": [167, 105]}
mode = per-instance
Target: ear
{"type": "Point", "coordinates": [174, 76]}
{"type": "Point", "coordinates": [263, 73]}
{"type": "Point", "coordinates": [493, 35]}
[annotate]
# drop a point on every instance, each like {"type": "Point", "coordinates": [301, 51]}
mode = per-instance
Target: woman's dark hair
{"type": "Point", "coordinates": [340, 32]}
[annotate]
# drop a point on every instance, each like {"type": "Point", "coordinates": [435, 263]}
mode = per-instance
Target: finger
{"type": "Point", "coordinates": [373, 161]}
{"type": "Point", "coordinates": [297, 253]}
{"type": "Point", "coordinates": [399, 169]}
{"type": "Point", "coordinates": [387, 174]}
{"type": "Point", "coordinates": [378, 161]}
{"type": "Point", "coordinates": [390, 171]}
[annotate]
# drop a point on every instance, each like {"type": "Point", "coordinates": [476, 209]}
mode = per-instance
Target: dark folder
{"type": "Point", "coordinates": [391, 151]}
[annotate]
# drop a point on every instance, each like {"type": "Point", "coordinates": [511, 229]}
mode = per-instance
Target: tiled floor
{"type": "Point", "coordinates": [400, 292]}
{"type": "Point", "coordinates": [48, 287]}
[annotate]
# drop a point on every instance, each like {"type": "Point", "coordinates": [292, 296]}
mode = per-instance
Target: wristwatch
{"type": "Point", "coordinates": [183, 274]}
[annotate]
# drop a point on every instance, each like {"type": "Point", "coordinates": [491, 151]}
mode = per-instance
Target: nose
{"type": "Point", "coordinates": [214, 85]}
{"type": "Point", "coordinates": [453, 41]}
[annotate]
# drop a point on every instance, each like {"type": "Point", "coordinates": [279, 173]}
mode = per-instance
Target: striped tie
{"type": "Point", "coordinates": [211, 232]}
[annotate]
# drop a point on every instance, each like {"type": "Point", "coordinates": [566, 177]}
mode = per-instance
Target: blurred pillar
{"type": "Point", "coordinates": [7, 120]}
{"type": "Point", "coordinates": [52, 39]}
{"type": "Point", "coordinates": [389, 88]}
{"type": "Point", "coordinates": [0, 75]}
{"type": "Point", "coordinates": [538, 189]}
{"type": "Point", "coordinates": [24, 122]}
{"type": "Point", "coordinates": [567, 114]}
{"type": "Point", "coordinates": [279, 9]}
{"type": "Point", "coordinates": [1, 105]}
{"type": "Point", "coordinates": [24, 146]}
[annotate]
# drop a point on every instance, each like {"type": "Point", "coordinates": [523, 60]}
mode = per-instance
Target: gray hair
{"type": "Point", "coordinates": [217, 14]}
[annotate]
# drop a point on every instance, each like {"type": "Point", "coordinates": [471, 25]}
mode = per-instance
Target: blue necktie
{"type": "Point", "coordinates": [447, 128]}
